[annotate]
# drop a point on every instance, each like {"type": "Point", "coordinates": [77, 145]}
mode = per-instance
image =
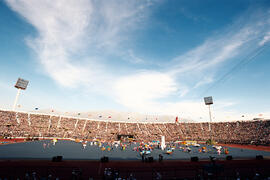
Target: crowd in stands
{"type": "Point", "coordinates": [206, 172]}
{"type": "Point", "coordinates": [18, 124]}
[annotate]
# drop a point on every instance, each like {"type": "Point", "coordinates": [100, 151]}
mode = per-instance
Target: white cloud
{"type": "Point", "coordinates": [214, 51]}
{"type": "Point", "coordinates": [198, 66]}
{"type": "Point", "coordinates": [115, 18]}
{"type": "Point", "coordinates": [133, 58]}
{"type": "Point", "coordinates": [69, 31]}
{"type": "Point", "coordinates": [265, 39]}
{"type": "Point", "coordinates": [73, 38]}
{"type": "Point", "coordinates": [204, 81]}
{"type": "Point", "coordinates": [201, 65]}
{"type": "Point", "coordinates": [142, 89]}
{"type": "Point", "coordinates": [61, 30]}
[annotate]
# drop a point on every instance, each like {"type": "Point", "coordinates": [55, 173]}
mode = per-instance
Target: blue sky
{"type": "Point", "coordinates": [148, 56]}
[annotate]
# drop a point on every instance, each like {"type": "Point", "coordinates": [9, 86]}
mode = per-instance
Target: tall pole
{"type": "Point", "coordinates": [20, 84]}
{"type": "Point", "coordinates": [210, 122]}
{"type": "Point", "coordinates": [16, 99]}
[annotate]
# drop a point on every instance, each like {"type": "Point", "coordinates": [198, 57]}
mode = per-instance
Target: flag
{"type": "Point", "coordinates": [176, 119]}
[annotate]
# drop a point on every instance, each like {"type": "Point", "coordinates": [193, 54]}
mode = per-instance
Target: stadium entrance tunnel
{"type": "Point", "coordinates": [124, 137]}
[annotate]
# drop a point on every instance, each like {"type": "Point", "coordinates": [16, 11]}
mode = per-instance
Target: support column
{"type": "Point", "coordinates": [16, 99]}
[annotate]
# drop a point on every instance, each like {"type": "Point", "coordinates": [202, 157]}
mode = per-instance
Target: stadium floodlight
{"type": "Point", "coordinates": [21, 84]}
{"type": "Point", "coordinates": [208, 101]}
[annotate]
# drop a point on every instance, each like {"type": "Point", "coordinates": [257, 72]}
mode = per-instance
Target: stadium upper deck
{"type": "Point", "coordinates": [19, 124]}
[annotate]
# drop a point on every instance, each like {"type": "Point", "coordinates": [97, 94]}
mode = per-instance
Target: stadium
{"type": "Point", "coordinates": [137, 89]}
{"type": "Point", "coordinates": [121, 146]}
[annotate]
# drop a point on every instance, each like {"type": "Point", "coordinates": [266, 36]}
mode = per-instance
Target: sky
{"type": "Point", "coordinates": [153, 57]}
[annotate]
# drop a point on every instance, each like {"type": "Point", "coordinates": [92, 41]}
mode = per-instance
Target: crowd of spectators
{"type": "Point", "coordinates": [18, 124]}
{"type": "Point", "coordinates": [204, 172]}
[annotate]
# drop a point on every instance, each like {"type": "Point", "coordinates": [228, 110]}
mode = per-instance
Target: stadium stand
{"type": "Point", "coordinates": [19, 124]}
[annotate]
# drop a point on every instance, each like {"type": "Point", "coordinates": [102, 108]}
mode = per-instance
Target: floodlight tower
{"type": "Point", "coordinates": [208, 101]}
{"type": "Point", "coordinates": [21, 84]}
